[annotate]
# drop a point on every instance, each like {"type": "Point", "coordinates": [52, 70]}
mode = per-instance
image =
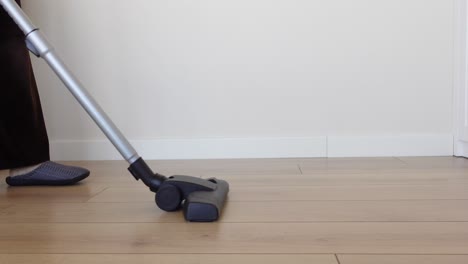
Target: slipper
{"type": "Point", "coordinates": [50, 174]}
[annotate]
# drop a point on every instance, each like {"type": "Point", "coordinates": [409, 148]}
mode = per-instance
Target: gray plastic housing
{"type": "Point", "coordinates": [206, 206]}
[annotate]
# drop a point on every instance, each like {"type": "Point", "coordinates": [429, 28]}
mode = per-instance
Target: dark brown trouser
{"type": "Point", "coordinates": [23, 136]}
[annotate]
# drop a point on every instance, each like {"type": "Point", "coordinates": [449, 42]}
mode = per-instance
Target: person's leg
{"type": "Point", "coordinates": [23, 136]}
{"type": "Point", "coordinates": [24, 145]}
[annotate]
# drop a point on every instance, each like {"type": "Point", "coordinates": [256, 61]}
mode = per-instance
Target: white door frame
{"type": "Point", "coordinates": [460, 94]}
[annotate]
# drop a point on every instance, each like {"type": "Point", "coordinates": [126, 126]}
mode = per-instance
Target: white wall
{"type": "Point", "coordinates": [275, 77]}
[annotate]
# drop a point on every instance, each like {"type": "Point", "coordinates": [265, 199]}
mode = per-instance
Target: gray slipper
{"type": "Point", "coordinates": [49, 173]}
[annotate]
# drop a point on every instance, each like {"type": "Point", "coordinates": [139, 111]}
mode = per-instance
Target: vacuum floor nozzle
{"type": "Point", "coordinates": [202, 200]}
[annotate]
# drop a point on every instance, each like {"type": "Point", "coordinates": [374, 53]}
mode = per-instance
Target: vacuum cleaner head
{"type": "Point", "coordinates": [201, 200]}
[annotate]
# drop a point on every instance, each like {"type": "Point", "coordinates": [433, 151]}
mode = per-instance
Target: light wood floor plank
{"type": "Point", "coordinates": [309, 193]}
{"type": "Point", "coordinates": [435, 162]}
{"type": "Point", "coordinates": [363, 164]}
{"type": "Point", "coordinates": [406, 169]}
{"type": "Point", "coordinates": [287, 238]}
{"type": "Point", "coordinates": [241, 212]}
{"type": "Point", "coordinates": [396, 165]}
{"type": "Point", "coordinates": [368, 178]}
{"type": "Point", "coordinates": [202, 167]}
{"type": "Point", "coordinates": [123, 178]}
{"type": "Point", "coordinates": [213, 168]}
{"type": "Point", "coordinates": [76, 193]}
{"type": "Point", "coordinates": [114, 173]}
{"type": "Point", "coordinates": [405, 259]}
{"type": "Point", "coordinates": [165, 258]}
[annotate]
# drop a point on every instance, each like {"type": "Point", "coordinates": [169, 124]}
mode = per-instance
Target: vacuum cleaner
{"type": "Point", "coordinates": [201, 199]}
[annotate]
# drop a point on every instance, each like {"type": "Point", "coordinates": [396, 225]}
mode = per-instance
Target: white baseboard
{"type": "Point", "coordinates": [381, 146]}
{"type": "Point", "coordinates": [223, 148]}
{"type": "Point", "coordinates": [461, 148]}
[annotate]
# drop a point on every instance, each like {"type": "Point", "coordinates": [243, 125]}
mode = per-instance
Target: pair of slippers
{"type": "Point", "coordinates": [51, 174]}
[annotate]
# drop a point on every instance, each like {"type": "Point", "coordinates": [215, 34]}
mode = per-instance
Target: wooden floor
{"type": "Point", "coordinates": [330, 211]}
